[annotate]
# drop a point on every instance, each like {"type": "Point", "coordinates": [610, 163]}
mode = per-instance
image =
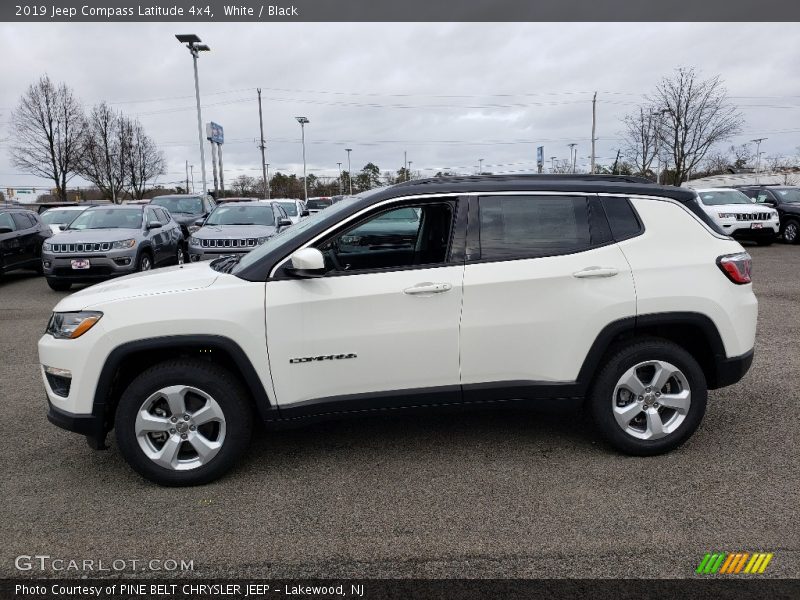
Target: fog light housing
{"type": "Point", "coordinates": [59, 380]}
{"type": "Point", "coordinates": [123, 262]}
{"type": "Point", "coordinates": [47, 264]}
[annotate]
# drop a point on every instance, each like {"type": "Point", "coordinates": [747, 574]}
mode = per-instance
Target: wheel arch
{"type": "Point", "coordinates": [129, 360]}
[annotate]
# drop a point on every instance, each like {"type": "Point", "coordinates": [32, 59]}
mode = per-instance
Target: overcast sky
{"type": "Point", "coordinates": [448, 94]}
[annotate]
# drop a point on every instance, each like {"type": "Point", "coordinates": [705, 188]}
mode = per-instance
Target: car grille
{"type": "Point", "coordinates": [243, 243]}
{"type": "Point", "coordinates": [71, 248]}
{"type": "Point", "coordinates": [762, 216]}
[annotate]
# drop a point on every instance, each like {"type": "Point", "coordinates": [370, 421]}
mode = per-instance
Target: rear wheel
{"type": "Point", "coordinates": [183, 422]}
{"type": "Point", "coordinates": [791, 232]}
{"type": "Point", "coordinates": [649, 397]}
{"type": "Point", "coordinates": [59, 286]}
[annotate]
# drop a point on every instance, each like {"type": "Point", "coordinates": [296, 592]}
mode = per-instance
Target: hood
{"type": "Point", "coordinates": [186, 219]}
{"type": "Point", "coordinates": [233, 232]}
{"type": "Point", "coordinates": [81, 236]}
{"type": "Point", "coordinates": [738, 208]}
{"type": "Point", "coordinates": [161, 281]}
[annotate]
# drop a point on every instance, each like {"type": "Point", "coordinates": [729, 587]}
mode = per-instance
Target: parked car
{"type": "Point", "coordinates": [109, 241]}
{"type": "Point", "coordinates": [57, 218]}
{"type": "Point", "coordinates": [21, 236]}
{"type": "Point", "coordinates": [735, 214]}
{"type": "Point", "coordinates": [295, 209]}
{"type": "Point", "coordinates": [318, 203]}
{"type": "Point", "coordinates": [786, 200]}
{"type": "Point", "coordinates": [236, 228]}
{"type": "Point", "coordinates": [186, 209]}
{"type": "Point", "coordinates": [516, 290]}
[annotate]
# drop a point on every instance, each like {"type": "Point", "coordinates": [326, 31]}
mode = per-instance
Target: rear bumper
{"type": "Point", "coordinates": [732, 370]}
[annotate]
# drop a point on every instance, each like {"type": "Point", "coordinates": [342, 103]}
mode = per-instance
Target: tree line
{"type": "Point", "coordinates": [53, 137]}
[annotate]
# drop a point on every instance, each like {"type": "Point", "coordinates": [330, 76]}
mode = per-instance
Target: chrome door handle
{"type": "Point", "coordinates": [596, 272]}
{"type": "Point", "coordinates": [427, 289]}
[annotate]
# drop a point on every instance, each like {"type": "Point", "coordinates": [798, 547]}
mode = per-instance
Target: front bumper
{"type": "Point", "coordinates": [742, 230]}
{"type": "Point", "coordinates": [92, 426]}
{"type": "Point", "coordinates": [101, 266]}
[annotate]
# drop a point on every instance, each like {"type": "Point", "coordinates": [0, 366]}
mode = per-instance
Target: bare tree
{"type": "Point", "coordinates": [104, 151]}
{"type": "Point", "coordinates": [145, 160]}
{"type": "Point", "coordinates": [741, 155]}
{"type": "Point", "coordinates": [716, 163]}
{"type": "Point", "coordinates": [47, 126]}
{"type": "Point", "coordinates": [696, 116]}
{"type": "Point", "coordinates": [641, 144]}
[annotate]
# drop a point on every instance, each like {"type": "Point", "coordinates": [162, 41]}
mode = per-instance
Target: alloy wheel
{"type": "Point", "coordinates": [790, 232]}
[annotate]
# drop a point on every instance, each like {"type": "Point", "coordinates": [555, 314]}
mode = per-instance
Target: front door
{"type": "Point", "coordinates": [380, 329]}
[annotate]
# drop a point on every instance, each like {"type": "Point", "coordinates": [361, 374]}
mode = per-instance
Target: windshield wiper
{"type": "Point", "coordinates": [225, 264]}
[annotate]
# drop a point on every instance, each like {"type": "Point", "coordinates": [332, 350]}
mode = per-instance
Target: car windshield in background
{"type": "Point", "coordinates": [108, 218]}
{"type": "Point", "coordinates": [241, 215]}
{"type": "Point", "coordinates": [180, 204]}
{"type": "Point", "coordinates": [789, 195]}
{"type": "Point", "coordinates": [289, 207]}
{"type": "Point", "coordinates": [318, 203]}
{"type": "Point", "coordinates": [58, 217]}
{"type": "Point", "coordinates": [724, 197]}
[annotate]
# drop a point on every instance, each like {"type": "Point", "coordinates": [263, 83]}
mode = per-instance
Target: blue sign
{"type": "Point", "coordinates": [540, 156]}
{"type": "Point", "coordinates": [215, 133]}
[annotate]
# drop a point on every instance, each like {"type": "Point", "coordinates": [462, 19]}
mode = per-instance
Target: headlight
{"type": "Point", "coordinates": [47, 246]}
{"type": "Point", "coordinates": [193, 241]}
{"type": "Point", "coordinates": [725, 215]}
{"type": "Point", "coordinates": [71, 325]}
{"type": "Point", "coordinates": [193, 228]}
{"type": "Point", "coordinates": [123, 244]}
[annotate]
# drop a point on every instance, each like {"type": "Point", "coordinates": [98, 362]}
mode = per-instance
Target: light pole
{"type": "Point", "coordinates": [757, 142]}
{"type": "Point", "coordinates": [193, 44]}
{"type": "Point", "coordinates": [409, 169]}
{"type": "Point", "coordinates": [573, 154]}
{"type": "Point", "coordinates": [303, 121]}
{"type": "Point", "coordinates": [553, 164]}
{"type": "Point", "coordinates": [480, 166]}
{"type": "Point", "coordinates": [269, 187]}
{"type": "Point", "coordinates": [191, 168]}
{"type": "Point", "coordinates": [340, 179]}
{"type": "Point", "coordinates": [349, 170]}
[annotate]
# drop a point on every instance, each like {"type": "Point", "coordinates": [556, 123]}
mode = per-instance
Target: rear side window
{"type": "Point", "coordinates": [531, 226]}
{"type": "Point", "coordinates": [22, 220]}
{"type": "Point", "coordinates": [621, 218]}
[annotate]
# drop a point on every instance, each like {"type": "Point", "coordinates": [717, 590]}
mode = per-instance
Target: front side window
{"type": "Point", "coordinates": [108, 218]}
{"type": "Point", "coordinates": [396, 238]}
{"type": "Point", "coordinates": [289, 207]}
{"type": "Point", "coordinates": [242, 215]}
{"type": "Point", "coordinates": [531, 226]}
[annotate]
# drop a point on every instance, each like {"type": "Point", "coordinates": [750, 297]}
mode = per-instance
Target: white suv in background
{"type": "Point", "coordinates": [500, 291]}
{"type": "Point", "coordinates": [739, 217]}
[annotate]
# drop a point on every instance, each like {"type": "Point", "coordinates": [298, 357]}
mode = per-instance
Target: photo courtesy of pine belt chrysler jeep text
{"type": "Point", "coordinates": [470, 291]}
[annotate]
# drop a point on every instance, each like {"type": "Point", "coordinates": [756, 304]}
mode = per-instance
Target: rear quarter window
{"type": "Point", "coordinates": [621, 218]}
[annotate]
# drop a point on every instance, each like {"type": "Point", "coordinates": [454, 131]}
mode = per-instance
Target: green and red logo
{"type": "Point", "coordinates": [734, 563]}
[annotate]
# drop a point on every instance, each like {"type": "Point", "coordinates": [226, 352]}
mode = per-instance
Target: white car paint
{"type": "Point", "coordinates": [725, 215]}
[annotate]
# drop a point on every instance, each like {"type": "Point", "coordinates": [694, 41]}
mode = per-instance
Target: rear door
{"type": "Point", "coordinates": [9, 241]}
{"type": "Point", "coordinates": [542, 279]}
{"type": "Point", "coordinates": [27, 230]}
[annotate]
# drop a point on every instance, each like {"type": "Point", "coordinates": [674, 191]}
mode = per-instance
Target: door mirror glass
{"type": "Point", "coordinates": [304, 213]}
{"type": "Point", "coordinates": [284, 223]}
{"type": "Point", "coordinates": [199, 222]}
{"type": "Point", "coordinates": [155, 225]}
{"type": "Point", "coordinates": [307, 262]}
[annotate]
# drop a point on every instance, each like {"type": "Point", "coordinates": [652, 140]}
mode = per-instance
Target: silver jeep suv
{"type": "Point", "coordinates": [108, 241]}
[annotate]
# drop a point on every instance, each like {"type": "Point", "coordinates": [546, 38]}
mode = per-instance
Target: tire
{"type": "Point", "coordinates": [228, 431]}
{"type": "Point", "coordinates": [144, 262]}
{"type": "Point", "coordinates": [791, 232]}
{"type": "Point", "coordinates": [180, 257]}
{"type": "Point", "coordinates": [59, 286]}
{"type": "Point", "coordinates": [610, 396]}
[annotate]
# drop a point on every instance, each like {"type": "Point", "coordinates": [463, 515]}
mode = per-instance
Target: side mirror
{"type": "Point", "coordinates": [284, 223]}
{"type": "Point", "coordinates": [6, 230]}
{"type": "Point", "coordinates": [307, 263]}
{"type": "Point", "coordinates": [199, 222]}
{"type": "Point", "coordinates": [62, 227]}
{"type": "Point", "coordinates": [155, 225]}
{"type": "Point", "coordinates": [305, 213]}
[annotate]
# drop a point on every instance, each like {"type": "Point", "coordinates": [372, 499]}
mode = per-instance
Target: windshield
{"type": "Point", "coordinates": [287, 234]}
{"type": "Point", "coordinates": [242, 215]}
{"type": "Point", "coordinates": [55, 216]}
{"type": "Point", "coordinates": [188, 205]}
{"type": "Point", "coordinates": [289, 207]}
{"type": "Point", "coordinates": [789, 195]}
{"type": "Point", "coordinates": [720, 197]}
{"type": "Point", "coordinates": [318, 203]}
{"type": "Point", "coordinates": [108, 218]}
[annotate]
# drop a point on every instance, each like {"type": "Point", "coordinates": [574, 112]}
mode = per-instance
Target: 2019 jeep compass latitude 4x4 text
{"type": "Point", "coordinates": [606, 290]}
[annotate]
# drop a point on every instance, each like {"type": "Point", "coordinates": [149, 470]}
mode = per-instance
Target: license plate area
{"type": "Point", "coordinates": [80, 263]}
{"type": "Point", "coordinates": [756, 225]}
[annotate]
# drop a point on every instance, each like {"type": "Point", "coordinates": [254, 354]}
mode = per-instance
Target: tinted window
{"type": "Point", "coordinates": [788, 195]}
{"type": "Point", "coordinates": [621, 218]}
{"type": "Point", "coordinates": [108, 218]}
{"type": "Point", "coordinates": [162, 215]}
{"type": "Point", "coordinates": [7, 221]}
{"type": "Point", "coordinates": [289, 207]}
{"type": "Point", "coordinates": [318, 203]}
{"type": "Point", "coordinates": [722, 197]}
{"type": "Point", "coordinates": [22, 221]}
{"type": "Point", "coordinates": [191, 205]}
{"type": "Point", "coordinates": [529, 226]}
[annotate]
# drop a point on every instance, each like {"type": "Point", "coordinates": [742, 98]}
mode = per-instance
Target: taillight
{"type": "Point", "coordinates": [737, 267]}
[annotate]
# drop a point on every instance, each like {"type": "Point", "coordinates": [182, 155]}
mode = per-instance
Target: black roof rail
{"type": "Point", "coordinates": [528, 177]}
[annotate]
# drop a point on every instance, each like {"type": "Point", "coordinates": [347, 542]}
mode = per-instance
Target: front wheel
{"type": "Point", "coordinates": [183, 422]}
{"type": "Point", "coordinates": [649, 397]}
{"type": "Point", "coordinates": [791, 232]}
{"type": "Point", "coordinates": [144, 263]}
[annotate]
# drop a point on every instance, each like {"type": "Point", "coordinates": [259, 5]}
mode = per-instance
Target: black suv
{"type": "Point", "coordinates": [186, 209]}
{"type": "Point", "coordinates": [21, 236]}
{"type": "Point", "coordinates": [783, 198]}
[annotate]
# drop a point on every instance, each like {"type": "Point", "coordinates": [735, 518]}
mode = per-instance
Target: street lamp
{"type": "Point", "coordinates": [341, 192]}
{"type": "Point", "coordinates": [349, 170]}
{"type": "Point", "coordinates": [480, 166]}
{"type": "Point", "coordinates": [757, 142]}
{"type": "Point", "coordinates": [303, 121]}
{"type": "Point", "coordinates": [193, 44]}
{"type": "Point", "coordinates": [409, 169]}
{"type": "Point", "coordinates": [573, 154]}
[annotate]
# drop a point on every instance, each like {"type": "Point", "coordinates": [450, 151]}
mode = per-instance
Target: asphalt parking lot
{"type": "Point", "coordinates": [507, 494]}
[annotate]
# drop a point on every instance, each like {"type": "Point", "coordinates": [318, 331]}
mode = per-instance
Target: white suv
{"type": "Point", "coordinates": [499, 291]}
{"type": "Point", "coordinates": [739, 217]}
